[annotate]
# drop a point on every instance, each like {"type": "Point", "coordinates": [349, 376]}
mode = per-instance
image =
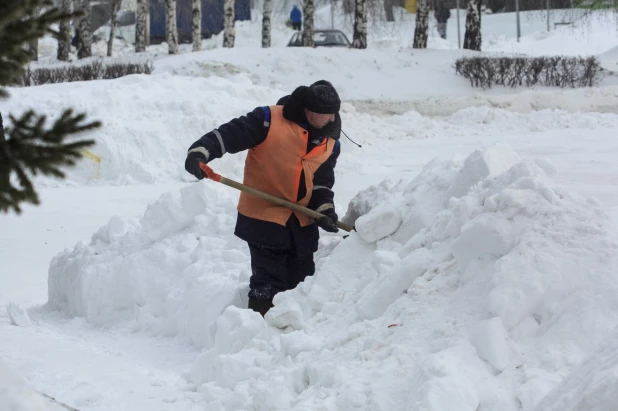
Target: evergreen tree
{"type": "Point", "coordinates": [27, 146]}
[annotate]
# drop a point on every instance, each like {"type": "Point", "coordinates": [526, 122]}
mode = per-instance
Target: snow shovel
{"type": "Point", "coordinates": [279, 201]}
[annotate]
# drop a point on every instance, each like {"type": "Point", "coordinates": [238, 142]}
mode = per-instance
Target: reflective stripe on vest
{"type": "Point", "coordinates": [275, 166]}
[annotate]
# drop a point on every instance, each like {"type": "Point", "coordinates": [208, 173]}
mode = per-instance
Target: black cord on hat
{"type": "Point", "coordinates": [350, 138]}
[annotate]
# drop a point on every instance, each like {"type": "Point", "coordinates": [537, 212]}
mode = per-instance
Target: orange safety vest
{"type": "Point", "coordinates": [275, 166]}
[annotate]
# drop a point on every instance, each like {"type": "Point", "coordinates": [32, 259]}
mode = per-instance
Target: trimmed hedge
{"type": "Point", "coordinates": [557, 71]}
{"type": "Point", "coordinates": [96, 70]}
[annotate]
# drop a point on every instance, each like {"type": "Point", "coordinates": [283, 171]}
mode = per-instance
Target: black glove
{"type": "Point", "coordinates": [192, 164]}
{"type": "Point", "coordinates": [329, 221]}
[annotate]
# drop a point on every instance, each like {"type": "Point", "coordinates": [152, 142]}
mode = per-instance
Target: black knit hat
{"type": "Point", "coordinates": [320, 97]}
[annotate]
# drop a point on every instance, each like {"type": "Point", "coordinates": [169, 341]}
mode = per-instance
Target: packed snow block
{"type": "Point", "coordinates": [486, 235]}
{"type": "Point", "coordinates": [367, 199]}
{"type": "Point", "coordinates": [116, 228]}
{"type": "Point", "coordinates": [203, 367]}
{"type": "Point", "coordinates": [388, 287]}
{"type": "Point", "coordinates": [480, 165]}
{"type": "Point", "coordinates": [592, 385]}
{"type": "Point", "coordinates": [18, 315]}
{"type": "Point", "coordinates": [379, 223]}
{"type": "Point", "coordinates": [285, 313]}
{"type": "Point", "coordinates": [445, 379]}
{"type": "Point", "coordinates": [297, 342]}
{"type": "Point", "coordinates": [341, 276]}
{"type": "Point", "coordinates": [235, 328]}
{"type": "Point", "coordinates": [490, 339]}
{"type": "Point", "coordinates": [446, 393]}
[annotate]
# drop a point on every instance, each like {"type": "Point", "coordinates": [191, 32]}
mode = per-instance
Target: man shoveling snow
{"type": "Point", "coordinates": [294, 149]}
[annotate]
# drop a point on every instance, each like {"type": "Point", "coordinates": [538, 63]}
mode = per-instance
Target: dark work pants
{"type": "Point", "coordinates": [274, 271]}
{"type": "Point", "coordinates": [297, 25]}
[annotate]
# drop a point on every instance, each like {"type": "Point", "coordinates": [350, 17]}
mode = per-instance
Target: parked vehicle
{"type": "Point", "coordinates": [322, 38]}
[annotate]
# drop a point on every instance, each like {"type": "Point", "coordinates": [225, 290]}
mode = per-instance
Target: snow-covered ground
{"type": "Point", "coordinates": [482, 276]}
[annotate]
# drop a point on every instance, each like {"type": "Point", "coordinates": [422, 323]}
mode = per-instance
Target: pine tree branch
{"type": "Point", "coordinates": [29, 149]}
{"type": "Point", "coordinates": [20, 24]}
{"type": "Point", "coordinates": [2, 138]}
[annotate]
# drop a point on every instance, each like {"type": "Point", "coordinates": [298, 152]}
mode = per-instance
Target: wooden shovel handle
{"type": "Point", "coordinates": [209, 173]}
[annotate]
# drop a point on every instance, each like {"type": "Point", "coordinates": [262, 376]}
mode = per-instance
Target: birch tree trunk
{"type": "Point", "coordinates": [64, 45]}
{"type": "Point", "coordinates": [348, 6]}
{"type": "Point", "coordinates": [359, 39]}
{"type": "Point", "coordinates": [422, 25]}
{"type": "Point", "coordinates": [33, 48]}
{"type": "Point", "coordinates": [268, 9]}
{"type": "Point", "coordinates": [388, 10]}
{"type": "Point", "coordinates": [84, 45]}
{"type": "Point", "coordinates": [196, 26]}
{"type": "Point", "coordinates": [308, 11]}
{"type": "Point", "coordinates": [140, 25]}
{"type": "Point", "coordinates": [33, 45]}
{"type": "Point", "coordinates": [472, 38]}
{"type": "Point", "coordinates": [171, 27]}
{"type": "Point", "coordinates": [113, 23]}
{"type": "Point", "coordinates": [228, 24]}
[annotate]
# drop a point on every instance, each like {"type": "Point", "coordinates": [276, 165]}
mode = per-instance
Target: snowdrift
{"type": "Point", "coordinates": [171, 272]}
{"type": "Point", "coordinates": [149, 122]}
{"type": "Point", "coordinates": [479, 285]}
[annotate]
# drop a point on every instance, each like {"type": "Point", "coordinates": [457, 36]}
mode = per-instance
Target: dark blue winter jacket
{"type": "Point", "coordinates": [248, 131]}
{"type": "Point", "coordinates": [296, 16]}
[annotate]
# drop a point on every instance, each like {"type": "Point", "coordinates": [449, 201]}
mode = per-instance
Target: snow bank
{"type": "Point", "coordinates": [15, 395]}
{"type": "Point", "coordinates": [148, 121]}
{"type": "Point", "coordinates": [486, 300]}
{"type": "Point", "coordinates": [171, 272]}
{"type": "Point", "coordinates": [486, 291]}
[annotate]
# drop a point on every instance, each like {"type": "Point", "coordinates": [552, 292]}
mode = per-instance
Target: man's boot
{"type": "Point", "coordinates": [260, 306]}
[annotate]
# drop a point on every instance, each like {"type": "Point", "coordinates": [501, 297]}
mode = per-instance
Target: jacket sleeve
{"type": "Point", "coordinates": [322, 197]}
{"type": "Point", "coordinates": [240, 134]}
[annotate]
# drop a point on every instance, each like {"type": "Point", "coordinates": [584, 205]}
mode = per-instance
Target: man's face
{"type": "Point", "coordinates": [318, 120]}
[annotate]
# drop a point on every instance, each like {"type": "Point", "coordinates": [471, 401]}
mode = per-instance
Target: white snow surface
{"type": "Point", "coordinates": [496, 293]}
{"type": "Point", "coordinates": [15, 395]}
{"type": "Point", "coordinates": [479, 279]}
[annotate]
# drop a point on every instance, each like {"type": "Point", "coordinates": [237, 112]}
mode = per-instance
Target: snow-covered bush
{"type": "Point", "coordinates": [95, 70]}
{"type": "Point", "coordinates": [557, 71]}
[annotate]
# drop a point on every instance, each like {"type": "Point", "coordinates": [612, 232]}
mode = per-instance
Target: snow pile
{"type": "Point", "coordinates": [171, 272]}
{"type": "Point", "coordinates": [15, 395]}
{"type": "Point", "coordinates": [492, 289]}
{"type": "Point", "coordinates": [484, 289]}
